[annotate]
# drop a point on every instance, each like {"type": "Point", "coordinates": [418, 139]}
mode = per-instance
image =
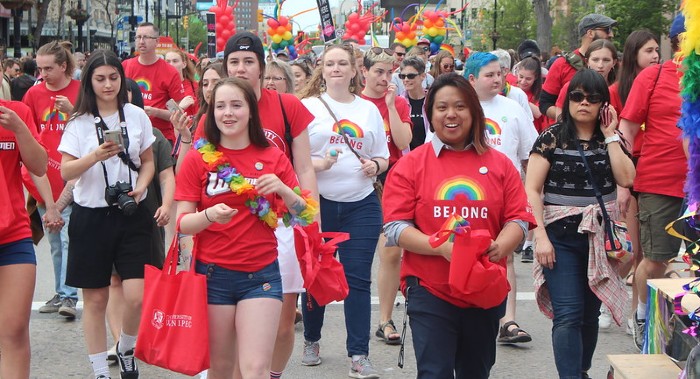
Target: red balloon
{"type": "Point", "coordinates": [353, 17]}
{"type": "Point", "coordinates": [271, 22]}
{"type": "Point", "coordinates": [226, 34]}
{"type": "Point", "coordinates": [223, 20]}
{"type": "Point", "coordinates": [220, 44]}
{"type": "Point", "coordinates": [355, 27]}
{"type": "Point", "coordinates": [283, 21]}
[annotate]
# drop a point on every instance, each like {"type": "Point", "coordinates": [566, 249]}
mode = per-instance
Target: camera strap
{"type": "Point", "coordinates": [100, 128]}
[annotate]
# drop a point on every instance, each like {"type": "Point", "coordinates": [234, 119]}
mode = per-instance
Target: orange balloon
{"type": "Point", "coordinates": [400, 36]}
{"type": "Point", "coordinates": [270, 31]}
{"type": "Point", "coordinates": [281, 29]}
{"type": "Point", "coordinates": [289, 27]}
{"type": "Point", "coordinates": [440, 23]}
{"type": "Point", "coordinates": [427, 23]}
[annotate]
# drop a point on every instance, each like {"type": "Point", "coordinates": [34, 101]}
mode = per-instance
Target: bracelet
{"type": "Point", "coordinates": [207, 216]}
{"type": "Point", "coordinates": [185, 142]}
{"type": "Point", "coordinates": [612, 138]}
{"type": "Point", "coordinates": [377, 163]}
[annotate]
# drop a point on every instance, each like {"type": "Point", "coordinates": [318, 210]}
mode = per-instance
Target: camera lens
{"type": "Point", "coordinates": [127, 204]}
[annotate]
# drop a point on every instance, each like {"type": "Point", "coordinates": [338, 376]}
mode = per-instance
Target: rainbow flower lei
{"type": "Point", "coordinates": [256, 203]}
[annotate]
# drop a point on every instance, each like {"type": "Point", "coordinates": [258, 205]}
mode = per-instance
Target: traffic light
{"type": "Point", "coordinates": [260, 15]}
{"type": "Point", "coordinates": [185, 22]}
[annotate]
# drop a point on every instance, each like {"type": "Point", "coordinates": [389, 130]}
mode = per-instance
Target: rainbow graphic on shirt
{"type": "Point", "coordinates": [459, 186]}
{"type": "Point", "coordinates": [492, 127]}
{"type": "Point", "coordinates": [49, 115]}
{"type": "Point", "coordinates": [144, 84]}
{"type": "Point", "coordinates": [456, 223]}
{"type": "Point", "coordinates": [348, 128]}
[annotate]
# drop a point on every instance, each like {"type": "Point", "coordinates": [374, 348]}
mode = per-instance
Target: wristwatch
{"type": "Point", "coordinates": [613, 138]}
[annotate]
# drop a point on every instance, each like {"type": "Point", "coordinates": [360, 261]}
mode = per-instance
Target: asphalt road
{"type": "Point", "coordinates": [58, 348]}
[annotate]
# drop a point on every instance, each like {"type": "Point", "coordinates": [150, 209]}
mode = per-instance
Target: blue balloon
{"type": "Point", "coordinates": [434, 47]}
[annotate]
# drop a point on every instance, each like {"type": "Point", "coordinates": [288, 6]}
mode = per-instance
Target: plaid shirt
{"type": "Point", "coordinates": [603, 279]}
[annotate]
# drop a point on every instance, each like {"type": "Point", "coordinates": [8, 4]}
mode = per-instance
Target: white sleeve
{"type": "Point", "coordinates": [527, 134]}
{"type": "Point", "coordinates": [69, 141]}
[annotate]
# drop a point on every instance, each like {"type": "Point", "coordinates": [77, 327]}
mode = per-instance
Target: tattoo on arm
{"type": "Point", "coordinates": [66, 197]}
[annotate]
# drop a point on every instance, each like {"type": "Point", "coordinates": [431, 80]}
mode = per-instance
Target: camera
{"type": "Point", "coordinates": [119, 194]}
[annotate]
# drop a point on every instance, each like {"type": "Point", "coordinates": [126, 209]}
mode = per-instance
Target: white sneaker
{"type": "Point", "coordinates": [630, 327]}
{"type": "Point", "coordinates": [605, 319]}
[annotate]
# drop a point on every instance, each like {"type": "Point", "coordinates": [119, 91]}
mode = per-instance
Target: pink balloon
{"type": "Point", "coordinates": [283, 20]}
{"type": "Point", "coordinates": [353, 17]}
{"type": "Point", "coordinates": [271, 22]}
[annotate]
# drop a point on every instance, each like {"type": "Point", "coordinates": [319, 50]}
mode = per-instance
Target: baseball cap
{"type": "Point", "coordinates": [678, 26]}
{"type": "Point", "coordinates": [528, 48]}
{"type": "Point", "coordinates": [594, 21]}
{"type": "Point", "coordinates": [423, 41]}
{"type": "Point", "coordinates": [245, 41]}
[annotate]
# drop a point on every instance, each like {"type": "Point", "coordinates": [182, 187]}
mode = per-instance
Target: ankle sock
{"type": "Point", "coordinates": [641, 311]}
{"type": "Point", "coordinates": [275, 374]}
{"type": "Point", "coordinates": [126, 342]}
{"type": "Point", "coordinates": [356, 358]}
{"type": "Point", "coordinates": [99, 364]}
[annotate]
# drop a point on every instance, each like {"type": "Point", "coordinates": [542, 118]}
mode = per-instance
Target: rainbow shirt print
{"type": "Point", "coordinates": [493, 132]}
{"type": "Point", "coordinates": [460, 195]}
{"type": "Point", "coordinates": [53, 120]}
{"type": "Point", "coordinates": [348, 128]}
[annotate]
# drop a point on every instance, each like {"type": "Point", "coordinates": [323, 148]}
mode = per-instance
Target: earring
{"type": "Point", "coordinates": [351, 88]}
{"type": "Point", "coordinates": [322, 87]}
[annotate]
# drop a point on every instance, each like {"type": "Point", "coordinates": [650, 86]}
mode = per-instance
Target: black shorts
{"type": "Point", "coordinates": [101, 238]}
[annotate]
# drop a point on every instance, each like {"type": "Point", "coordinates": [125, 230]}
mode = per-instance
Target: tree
{"type": "Point", "coordinates": [514, 23]}
{"type": "Point", "coordinates": [42, 10]}
{"type": "Point", "coordinates": [197, 33]}
{"type": "Point", "coordinates": [632, 15]}
{"type": "Point", "coordinates": [110, 7]}
{"type": "Point", "coordinates": [544, 24]}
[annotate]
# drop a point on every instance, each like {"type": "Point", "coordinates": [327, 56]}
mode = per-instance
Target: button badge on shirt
{"type": "Point", "coordinates": [483, 170]}
{"type": "Point", "coordinates": [258, 166]}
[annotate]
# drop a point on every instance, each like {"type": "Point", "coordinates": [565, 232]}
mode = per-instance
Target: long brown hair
{"type": "Point", "coordinates": [255, 130]}
{"type": "Point", "coordinates": [203, 106]}
{"type": "Point", "coordinates": [477, 134]}
{"type": "Point", "coordinates": [629, 70]}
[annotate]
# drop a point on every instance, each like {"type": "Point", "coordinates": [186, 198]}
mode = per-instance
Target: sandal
{"type": "Point", "coordinates": [392, 337]}
{"type": "Point", "coordinates": [630, 279]}
{"type": "Point", "coordinates": [516, 335]}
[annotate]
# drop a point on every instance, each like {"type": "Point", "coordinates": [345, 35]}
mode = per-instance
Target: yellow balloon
{"type": "Point", "coordinates": [277, 38]}
{"type": "Point", "coordinates": [432, 32]}
{"type": "Point", "coordinates": [287, 36]}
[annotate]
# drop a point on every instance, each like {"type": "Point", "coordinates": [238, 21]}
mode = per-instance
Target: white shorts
{"type": "Point", "coordinates": [292, 281]}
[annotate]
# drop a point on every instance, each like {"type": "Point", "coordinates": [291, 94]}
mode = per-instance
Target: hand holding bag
{"type": "Point", "coordinates": [324, 276]}
{"type": "Point", "coordinates": [473, 277]}
{"type": "Point", "coordinates": [174, 330]}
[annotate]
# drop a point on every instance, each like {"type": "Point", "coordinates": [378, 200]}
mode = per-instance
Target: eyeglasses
{"type": "Point", "coordinates": [607, 29]}
{"type": "Point", "coordinates": [273, 78]}
{"type": "Point", "coordinates": [448, 67]}
{"type": "Point", "coordinates": [145, 37]}
{"type": "Point", "coordinates": [379, 50]}
{"type": "Point", "coordinates": [578, 96]}
{"type": "Point", "coordinates": [407, 76]}
{"type": "Point", "coordinates": [399, 54]}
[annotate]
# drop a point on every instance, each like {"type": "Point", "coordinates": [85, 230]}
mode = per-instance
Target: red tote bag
{"type": "Point", "coordinates": [174, 330]}
{"type": "Point", "coordinates": [473, 277]}
{"type": "Point", "coordinates": [324, 276]}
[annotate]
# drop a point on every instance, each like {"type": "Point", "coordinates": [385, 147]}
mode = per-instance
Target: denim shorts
{"type": "Point", "coordinates": [228, 287]}
{"type": "Point", "coordinates": [17, 252]}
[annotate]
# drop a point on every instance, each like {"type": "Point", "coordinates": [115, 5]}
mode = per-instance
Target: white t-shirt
{"type": "Point", "coordinates": [508, 129]}
{"type": "Point", "coordinates": [520, 96]}
{"type": "Point", "coordinates": [80, 139]}
{"type": "Point", "coordinates": [363, 124]}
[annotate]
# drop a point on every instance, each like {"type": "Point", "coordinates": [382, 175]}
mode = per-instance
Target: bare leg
{"type": "Point", "coordinates": [520, 336]}
{"type": "Point", "coordinates": [115, 307]}
{"type": "Point", "coordinates": [16, 291]}
{"type": "Point", "coordinates": [256, 330]}
{"type": "Point", "coordinates": [94, 309]}
{"type": "Point", "coordinates": [133, 296]}
{"type": "Point", "coordinates": [221, 341]}
{"type": "Point", "coordinates": [284, 345]}
{"type": "Point", "coordinates": [647, 269]}
{"type": "Point", "coordinates": [388, 281]}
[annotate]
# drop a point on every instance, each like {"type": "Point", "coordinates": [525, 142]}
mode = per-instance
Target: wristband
{"type": "Point", "coordinates": [377, 163]}
{"type": "Point", "coordinates": [613, 138]}
{"type": "Point", "coordinates": [185, 142]}
{"type": "Point", "coordinates": [207, 216]}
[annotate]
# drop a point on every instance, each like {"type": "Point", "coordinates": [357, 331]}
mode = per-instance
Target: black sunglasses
{"type": "Point", "coordinates": [578, 96]}
{"type": "Point", "coordinates": [448, 66]}
{"type": "Point", "coordinates": [379, 50]}
{"type": "Point", "coordinates": [400, 54]}
{"type": "Point", "coordinates": [409, 76]}
{"type": "Point", "coordinates": [607, 29]}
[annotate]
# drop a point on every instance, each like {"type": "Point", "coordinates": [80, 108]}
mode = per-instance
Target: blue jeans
{"type": "Point", "coordinates": [576, 307]}
{"type": "Point", "coordinates": [363, 220]}
{"type": "Point", "coordinates": [59, 255]}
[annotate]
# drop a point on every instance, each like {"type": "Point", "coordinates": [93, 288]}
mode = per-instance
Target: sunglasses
{"type": "Point", "coordinates": [448, 66]}
{"type": "Point", "coordinates": [400, 54]}
{"type": "Point", "coordinates": [407, 76]}
{"type": "Point", "coordinates": [607, 30]}
{"type": "Point", "coordinates": [579, 96]}
{"type": "Point", "coordinates": [380, 50]}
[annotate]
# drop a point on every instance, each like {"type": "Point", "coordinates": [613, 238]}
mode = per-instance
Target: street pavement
{"type": "Point", "coordinates": [58, 347]}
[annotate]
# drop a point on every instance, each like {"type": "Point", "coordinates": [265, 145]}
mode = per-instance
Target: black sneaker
{"type": "Point", "coordinates": [52, 305]}
{"type": "Point", "coordinates": [526, 256]}
{"type": "Point", "coordinates": [127, 364]}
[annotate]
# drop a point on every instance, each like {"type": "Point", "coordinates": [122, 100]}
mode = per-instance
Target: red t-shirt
{"type": "Point", "coordinates": [560, 73]}
{"type": "Point", "coordinates": [662, 165]}
{"type": "Point", "coordinates": [511, 79]}
{"type": "Point", "coordinates": [50, 124]}
{"type": "Point", "coordinates": [543, 122]}
{"type": "Point", "coordinates": [191, 89]}
{"type": "Point", "coordinates": [159, 82]}
{"type": "Point", "coordinates": [246, 243]}
{"type": "Point", "coordinates": [14, 221]}
{"type": "Point", "coordinates": [272, 121]}
{"type": "Point", "coordinates": [404, 110]}
{"type": "Point", "coordinates": [616, 103]}
{"type": "Point", "coordinates": [427, 190]}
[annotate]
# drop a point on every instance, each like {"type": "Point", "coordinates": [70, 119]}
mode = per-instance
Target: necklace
{"type": "Point", "coordinates": [257, 204]}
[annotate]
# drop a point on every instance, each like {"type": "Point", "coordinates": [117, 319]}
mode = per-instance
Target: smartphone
{"type": "Point", "coordinates": [172, 106]}
{"type": "Point", "coordinates": [114, 136]}
{"type": "Point", "coordinates": [604, 114]}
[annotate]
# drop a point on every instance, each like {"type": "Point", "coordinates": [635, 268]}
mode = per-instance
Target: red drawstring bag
{"type": "Point", "coordinates": [174, 330]}
{"type": "Point", "coordinates": [324, 276]}
{"type": "Point", "coordinates": [473, 277]}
